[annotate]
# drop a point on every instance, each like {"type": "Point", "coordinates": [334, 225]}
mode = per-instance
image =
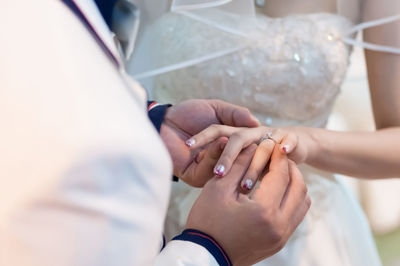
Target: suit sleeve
{"type": "Point", "coordinates": [193, 247]}
{"type": "Point", "coordinates": [156, 113]}
{"type": "Point", "coordinates": [84, 176]}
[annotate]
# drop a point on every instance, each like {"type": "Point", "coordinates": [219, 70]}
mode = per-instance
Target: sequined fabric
{"type": "Point", "coordinates": [288, 72]}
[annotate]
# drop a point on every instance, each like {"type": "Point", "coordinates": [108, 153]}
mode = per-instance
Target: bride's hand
{"type": "Point", "coordinates": [186, 119]}
{"type": "Point", "coordinates": [295, 141]}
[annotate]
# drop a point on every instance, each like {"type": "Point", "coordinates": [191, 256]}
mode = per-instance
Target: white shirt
{"type": "Point", "coordinates": [84, 177]}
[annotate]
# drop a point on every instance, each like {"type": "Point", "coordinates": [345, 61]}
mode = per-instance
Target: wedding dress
{"type": "Point", "coordinates": [288, 72]}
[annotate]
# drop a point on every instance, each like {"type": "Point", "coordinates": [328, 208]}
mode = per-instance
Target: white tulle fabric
{"type": "Point", "coordinates": [287, 71]}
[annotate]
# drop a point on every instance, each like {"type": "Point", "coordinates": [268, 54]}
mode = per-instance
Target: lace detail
{"type": "Point", "coordinates": [287, 72]}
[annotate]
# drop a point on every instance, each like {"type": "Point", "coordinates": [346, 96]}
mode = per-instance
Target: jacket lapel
{"type": "Point", "coordinates": [88, 13]}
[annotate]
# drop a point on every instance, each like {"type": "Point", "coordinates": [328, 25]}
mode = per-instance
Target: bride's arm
{"type": "Point", "coordinates": [361, 154]}
{"type": "Point", "coordinates": [375, 154]}
{"type": "Point", "coordinates": [358, 154]}
{"type": "Point", "coordinates": [371, 154]}
{"type": "Point", "coordinates": [383, 68]}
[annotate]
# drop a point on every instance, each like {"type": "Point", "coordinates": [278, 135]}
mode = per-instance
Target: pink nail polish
{"type": "Point", "coordinates": [285, 148]}
{"type": "Point", "coordinates": [219, 170]}
{"type": "Point", "coordinates": [248, 184]}
{"type": "Point", "coordinates": [190, 142]}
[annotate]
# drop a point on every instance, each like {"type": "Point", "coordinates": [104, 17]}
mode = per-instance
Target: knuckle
{"type": "Point", "coordinates": [278, 131]}
{"type": "Point", "coordinates": [276, 234]}
{"type": "Point", "coordinates": [277, 239]}
{"type": "Point", "coordinates": [280, 247]}
{"type": "Point", "coordinates": [238, 135]}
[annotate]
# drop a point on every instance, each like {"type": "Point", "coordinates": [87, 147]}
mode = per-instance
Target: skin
{"type": "Point", "coordinates": [359, 154]}
{"type": "Point", "coordinates": [377, 152]}
{"type": "Point", "coordinates": [275, 208]}
{"type": "Point", "coordinates": [195, 167]}
{"type": "Point", "coordinates": [252, 227]}
{"type": "Point", "coordinates": [281, 8]}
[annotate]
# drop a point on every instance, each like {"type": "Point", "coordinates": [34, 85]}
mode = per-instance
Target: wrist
{"type": "Point", "coordinates": [314, 146]}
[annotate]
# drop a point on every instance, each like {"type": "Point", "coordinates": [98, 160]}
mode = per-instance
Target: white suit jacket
{"type": "Point", "coordinates": [84, 177]}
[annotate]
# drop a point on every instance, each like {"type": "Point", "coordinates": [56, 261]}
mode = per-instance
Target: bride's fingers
{"type": "Point", "coordinates": [210, 134]}
{"type": "Point", "coordinates": [289, 143]}
{"type": "Point", "coordinates": [201, 169]}
{"type": "Point", "coordinates": [258, 164]}
{"type": "Point", "coordinates": [237, 142]}
{"type": "Point", "coordinates": [264, 151]}
{"type": "Point", "coordinates": [204, 169]}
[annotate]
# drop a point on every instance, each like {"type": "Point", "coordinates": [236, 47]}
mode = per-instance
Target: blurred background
{"type": "Point", "coordinates": [379, 199]}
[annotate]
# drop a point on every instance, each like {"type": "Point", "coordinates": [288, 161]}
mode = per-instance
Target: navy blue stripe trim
{"type": "Point", "coordinates": [207, 242]}
{"type": "Point", "coordinates": [74, 8]}
{"type": "Point", "coordinates": [163, 243]}
{"type": "Point", "coordinates": [106, 8]}
{"type": "Point", "coordinates": [156, 115]}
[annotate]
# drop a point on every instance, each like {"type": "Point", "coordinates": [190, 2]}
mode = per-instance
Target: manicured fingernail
{"type": "Point", "coordinates": [248, 184]}
{"type": "Point", "coordinates": [286, 148]}
{"type": "Point", "coordinates": [219, 170]}
{"type": "Point", "coordinates": [190, 142]}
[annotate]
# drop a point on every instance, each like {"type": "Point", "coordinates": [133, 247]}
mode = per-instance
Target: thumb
{"type": "Point", "coordinates": [234, 115]}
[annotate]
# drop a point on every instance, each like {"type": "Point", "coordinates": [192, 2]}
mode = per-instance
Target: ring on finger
{"type": "Point", "coordinates": [267, 135]}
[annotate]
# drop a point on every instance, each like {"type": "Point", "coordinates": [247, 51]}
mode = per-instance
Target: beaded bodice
{"type": "Point", "coordinates": [287, 72]}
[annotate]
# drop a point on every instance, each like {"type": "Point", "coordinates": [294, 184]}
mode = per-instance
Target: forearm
{"type": "Point", "coordinates": [358, 154]}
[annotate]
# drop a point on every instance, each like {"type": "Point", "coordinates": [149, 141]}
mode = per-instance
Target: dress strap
{"type": "Point", "coordinates": [370, 46]}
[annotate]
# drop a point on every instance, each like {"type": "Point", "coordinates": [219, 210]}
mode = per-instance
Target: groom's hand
{"type": "Point", "coordinates": [188, 118]}
{"type": "Point", "coordinates": [251, 228]}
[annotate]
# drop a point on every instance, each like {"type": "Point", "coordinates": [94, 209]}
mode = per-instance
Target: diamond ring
{"type": "Point", "coordinates": [267, 135]}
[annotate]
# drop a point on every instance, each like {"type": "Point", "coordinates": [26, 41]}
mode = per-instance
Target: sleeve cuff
{"type": "Point", "coordinates": [156, 113]}
{"type": "Point", "coordinates": [208, 243]}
